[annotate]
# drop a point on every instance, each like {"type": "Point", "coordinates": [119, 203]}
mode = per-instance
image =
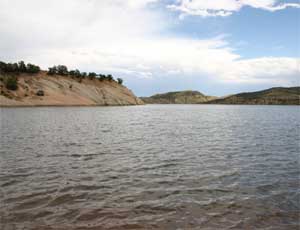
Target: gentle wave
{"type": "Point", "coordinates": [150, 167]}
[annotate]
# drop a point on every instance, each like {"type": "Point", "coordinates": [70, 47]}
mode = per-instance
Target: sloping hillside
{"type": "Point", "coordinates": [272, 96]}
{"type": "Point", "coordinates": [181, 97]}
{"type": "Point", "coordinates": [41, 89]}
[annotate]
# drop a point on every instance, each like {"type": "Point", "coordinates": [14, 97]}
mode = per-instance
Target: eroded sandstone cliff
{"type": "Point", "coordinates": [44, 90]}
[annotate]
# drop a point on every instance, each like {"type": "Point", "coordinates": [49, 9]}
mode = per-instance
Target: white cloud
{"type": "Point", "coordinates": [225, 8]}
{"type": "Point", "coordinates": [137, 3]}
{"type": "Point", "coordinates": [279, 71]}
{"type": "Point", "coordinates": [124, 37]}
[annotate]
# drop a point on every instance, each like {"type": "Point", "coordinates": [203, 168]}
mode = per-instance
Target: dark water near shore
{"type": "Point", "coordinates": [150, 167]}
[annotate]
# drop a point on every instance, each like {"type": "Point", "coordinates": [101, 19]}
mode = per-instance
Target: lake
{"type": "Point", "coordinates": [150, 167]}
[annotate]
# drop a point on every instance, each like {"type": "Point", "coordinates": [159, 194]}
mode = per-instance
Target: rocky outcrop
{"type": "Point", "coordinates": [65, 91]}
{"type": "Point", "coordinates": [180, 97]}
{"type": "Point", "coordinates": [273, 96]}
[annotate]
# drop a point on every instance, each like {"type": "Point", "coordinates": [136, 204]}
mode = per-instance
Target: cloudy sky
{"type": "Point", "coordinates": [214, 46]}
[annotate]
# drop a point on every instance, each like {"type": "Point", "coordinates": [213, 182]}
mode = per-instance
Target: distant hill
{"type": "Point", "coordinates": [272, 96]}
{"type": "Point", "coordinates": [180, 97]}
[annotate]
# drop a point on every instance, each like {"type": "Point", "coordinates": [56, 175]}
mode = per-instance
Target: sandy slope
{"type": "Point", "coordinates": [65, 91]}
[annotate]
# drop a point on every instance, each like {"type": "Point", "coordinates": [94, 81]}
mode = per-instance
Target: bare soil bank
{"type": "Point", "coordinates": [43, 90]}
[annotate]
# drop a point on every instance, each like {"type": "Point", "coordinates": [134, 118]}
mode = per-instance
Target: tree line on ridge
{"type": "Point", "coordinates": [12, 69]}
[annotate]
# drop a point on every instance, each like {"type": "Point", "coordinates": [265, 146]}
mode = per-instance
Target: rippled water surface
{"type": "Point", "coordinates": [150, 167]}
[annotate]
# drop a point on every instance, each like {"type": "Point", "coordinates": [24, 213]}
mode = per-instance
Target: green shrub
{"type": "Point", "coordinates": [3, 66]}
{"type": "Point", "coordinates": [62, 70]}
{"type": "Point", "coordinates": [92, 75]}
{"type": "Point", "coordinates": [110, 77]}
{"type": "Point", "coordinates": [11, 68]}
{"type": "Point", "coordinates": [11, 83]}
{"type": "Point", "coordinates": [77, 73]}
{"type": "Point", "coordinates": [101, 77]}
{"type": "Point", "coordinates": [22, 66]}
{"type": "Point", "coordinates": [72, 73]}
{"type": "Point", "coordinates": [30, 68]}
{"type": "Point", "coordinates": [52, 70]}
{"type": "Point", "coordinates": [120, 81]}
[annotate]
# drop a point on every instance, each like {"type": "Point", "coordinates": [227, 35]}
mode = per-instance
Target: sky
{"type": "Point", "coordinates": [217, 47]}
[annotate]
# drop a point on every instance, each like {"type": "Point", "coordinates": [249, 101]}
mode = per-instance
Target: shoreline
{"type": "Point", "coordinates": [41, 106]}
{"type": "Point", "coordinates": [79, 105]}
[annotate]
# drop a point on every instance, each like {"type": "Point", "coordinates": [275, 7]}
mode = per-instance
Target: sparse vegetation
{"type": "Point", "coordinates": [272, 96]}
{"type": "Point", "coordinates": [30, 68]}
{"type": "Point", "coordinates": [92, 75]}
{"type": "Point", "coordinates": [120, 81]}
{"type": "Point", "coordinates": [17, 68]}
{"type": "Point", "coordinates": [52, 70]}
{"type": "Point", "coordinates": [22, 66]}
{"type": "Point", "coordinates": [110, 77]}
{"type": "Point", "coordinates": [12, 70]}
{"type": "Point", "coordinates": [62, 70]}
{"type": "Point", "coordinates": [11, 82]}
{"type": "Point", "coordinates": [178, 97]}
{"type": "Point", "coordinates": [75, 73]}
{"type": "Point", "coordinates": [101, 77]}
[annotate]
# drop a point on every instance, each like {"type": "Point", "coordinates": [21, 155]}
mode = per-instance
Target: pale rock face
{"type": "Point", "coordinates": [65, 91]}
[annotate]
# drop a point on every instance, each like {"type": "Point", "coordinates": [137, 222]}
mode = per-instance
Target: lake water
{"type": "Point", "coordinates": [150, 167]}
